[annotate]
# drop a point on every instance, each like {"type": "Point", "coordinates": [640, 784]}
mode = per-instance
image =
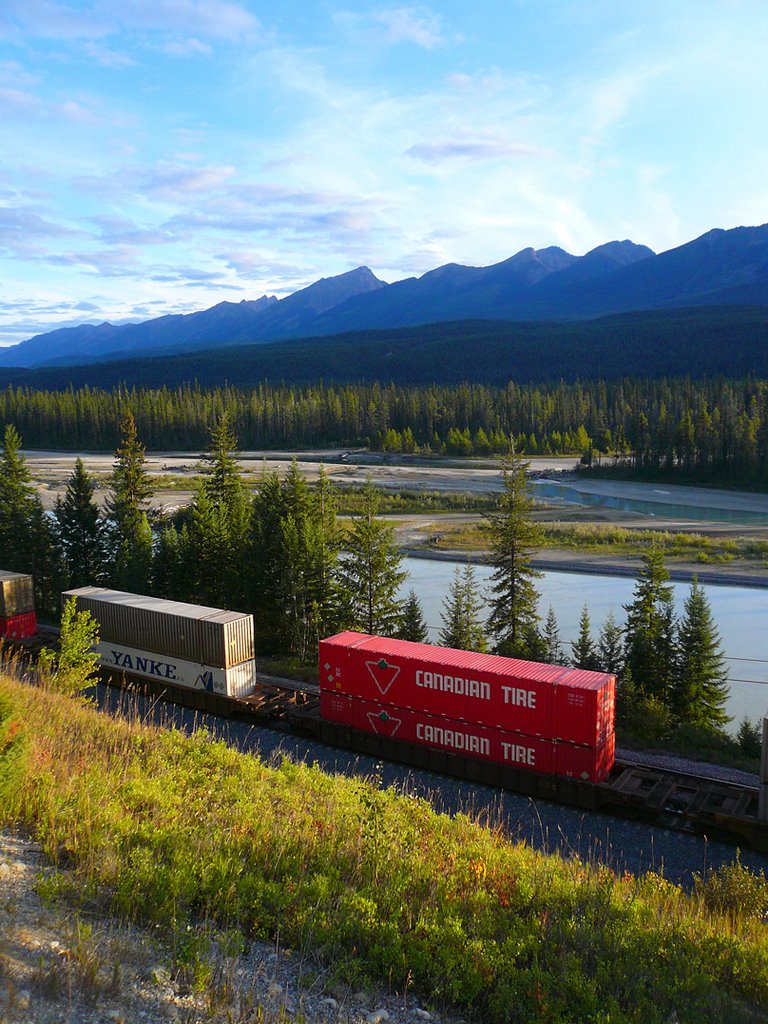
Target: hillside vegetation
{"type": "Point", "coordinates": [708, 341]}
{"type": "Point", "coordinates": [186, 832]}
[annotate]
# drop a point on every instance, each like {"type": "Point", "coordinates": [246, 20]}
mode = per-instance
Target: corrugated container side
{"type": "Point", "coordinates": [209, 635]}
{"type": "Point", "coordinates": [469, 739]}
{"type": "Point", "coordinates": [526, 697]}
{"type": "Point", "coordinates": [235, 681]}
{"type": "Point", "coordinates": [17, 594]}
{"type": "Point", "coordinates": [18, 627]}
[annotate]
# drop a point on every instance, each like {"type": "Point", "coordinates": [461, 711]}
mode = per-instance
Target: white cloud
{"type": "Point", "coordinates": [416, 25]}
{"type": "Point", "coordinates": [188, 48]}
{"type": "Point", "coordinates": [214, 19]}
{"type": "Point", "coordinates": [469, 149]}
{"type": "Point", "coordinates": [109, 58]}
{"type": "Point", "coordinates": [390, 26]}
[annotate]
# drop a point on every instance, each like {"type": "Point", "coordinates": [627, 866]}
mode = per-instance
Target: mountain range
{"type": "Point", "coordinates": [721, 268]}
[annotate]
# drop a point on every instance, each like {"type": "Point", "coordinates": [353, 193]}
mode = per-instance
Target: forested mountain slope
{"type": "Point", "coordinates": [700, 342]}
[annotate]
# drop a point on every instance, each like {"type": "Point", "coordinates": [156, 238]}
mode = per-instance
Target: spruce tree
{"type": "Point", "coordinates": [462, 623]}
{"type": "Point", "coordinates": [553, 647]}
{"type": "Point", "coordinates": [370, 572]}
{"type": "Point", "coordinates": [25, 537]}
{"type": "Point", "coordinates": [583, 654]}
{"type": "Point", "coordinates": [223, 479]}
{"type": "Point", "coordinates": [514, 620]}
{"type": "Point", "coordinates": [77, 530]}
{"type": "Point", "coordinates": [412, 625]}
{"type": "Point", "coordinates": [701, 682]}
{"type": "Point", "coordinates": [225, 516]}
{"type": "Point", "coordinates": [610, 646]}
{"type": "Point", "coordinates": [128, 532]}
{"type": "Point", "coordinates": [649, 641]}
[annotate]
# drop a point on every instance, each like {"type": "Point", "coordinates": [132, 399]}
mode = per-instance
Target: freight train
{"type": "Point", "coordinates": [541, 730]}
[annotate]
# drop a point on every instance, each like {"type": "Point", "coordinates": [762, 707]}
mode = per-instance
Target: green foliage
{"type": "Point", "coordinates": [370, 573]}
{"type": "Point", "coordinates": [513, 621]}
{"type": "Point", "coordinates": [14, 753]}
{"type": "Point", "coordinates": [25, 538]}
{"type": "Point", "coordinates": [700, 689]}
{"type": "Point", "coordinates": [735, 890]}
{"type": "Point", "coordinates": [128, 532]}
{"type": "Point", "coordinates": [649, 644]}
{"type": "Point", "coordinates": [462, 623]}
{"type": "Point", "coordinates": [710, 431]}
{"type": "Point", "coordinates": [178, 831]}
{"type": "Point", "coordinates": [75, 665]}
{"type": "Point", "coordinates": [584, 654]}
{"type": "Point", "coordinates": [412, 625]}
{"type": "Point", "coordinates": [750, 738]}
{"type": "Point", "coordinates": [550, 635]}
{"type": "Point", "coordinates": [78, 531]}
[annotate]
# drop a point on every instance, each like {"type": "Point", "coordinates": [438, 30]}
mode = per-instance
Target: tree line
{"type": "Point", "coordinates": [715, 430]}
{"type": "Point", "coordinates": [282, 554]}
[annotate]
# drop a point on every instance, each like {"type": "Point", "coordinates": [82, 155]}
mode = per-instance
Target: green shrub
{"type": "Point", "coordinates": [735, 890]}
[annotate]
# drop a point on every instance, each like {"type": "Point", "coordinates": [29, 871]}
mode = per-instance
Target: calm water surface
{"type": "Point", "coordinates": [741, 614]}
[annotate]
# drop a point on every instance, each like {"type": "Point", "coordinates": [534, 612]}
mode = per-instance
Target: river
{"type": "Point", "coordinates": [741, 614]}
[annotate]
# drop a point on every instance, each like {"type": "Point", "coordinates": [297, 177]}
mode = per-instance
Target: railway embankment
{"type": "Point", "coordinates": [208, 858]}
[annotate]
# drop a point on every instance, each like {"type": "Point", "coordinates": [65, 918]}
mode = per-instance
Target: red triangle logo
{"type": "Point", "coordinates": [383, 724]}
{"type": "Point", "coordinates": [383, 674]}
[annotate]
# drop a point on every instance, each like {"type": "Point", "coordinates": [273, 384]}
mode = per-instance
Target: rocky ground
{"type": "Point", "coordinates": [59, 966]}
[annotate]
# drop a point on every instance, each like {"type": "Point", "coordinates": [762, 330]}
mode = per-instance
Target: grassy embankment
{"type": "Point", "coordinates": [620, 542]}
{"type": "Point", "coordinates": [160, 828]}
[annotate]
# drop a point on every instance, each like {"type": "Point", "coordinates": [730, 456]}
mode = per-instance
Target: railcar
{"type": "Point", "coordinates": [541, 730]}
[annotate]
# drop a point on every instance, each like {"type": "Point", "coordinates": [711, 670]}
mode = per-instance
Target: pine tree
{"type": "Point", "coordinates": [649, 642]}
{"type": "Point", "coordinates": [701, 681]}
{"type": "Point", "coordinates": [610, 646]}
{"type": "Point", "coordinates": [223, 479]}
{"type": "Point", "coordinates": [209, 556]}
{"type": "Point", "coordinates": [264, 556]}
{"type": "Point", "coordinates": [553, 647]}
{"type": "Point", "coordinates": [167, 566]}
{"type": "Point", "coordinates": [462, 623]}
{"type": "Point", "coordinates": [370, 571]}
{"type": "Point", "coordinates": [25, 537]}
{"type": "Point", "coordinates": [127, 525]}
{"type": "Point", "coordinates": [77, 530]}
{"type": "Point", "coordinates": [583, 654]}
{"type": "Point", "coordinates": [412, 625]}
{"type": "Point", "coordinates": [514, 619]}
{"type": "Point", "coordinates": [226, 517]}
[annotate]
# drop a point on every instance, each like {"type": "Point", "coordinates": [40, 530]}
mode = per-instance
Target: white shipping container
{"type": "Point", "coordinates": [237, 681]}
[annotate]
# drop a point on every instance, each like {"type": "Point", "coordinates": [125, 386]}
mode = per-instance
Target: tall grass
{"type": "Point", "coordinates": [617, 540]}
{"type": "Point", "coordinates": [158, 827]}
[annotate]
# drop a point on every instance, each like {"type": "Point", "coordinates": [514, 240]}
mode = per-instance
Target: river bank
{"type": "Point", "coordinates": [562, 560]}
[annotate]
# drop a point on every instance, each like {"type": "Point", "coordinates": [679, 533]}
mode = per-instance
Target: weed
{"type": "Point", "coordinates": [215, 847]}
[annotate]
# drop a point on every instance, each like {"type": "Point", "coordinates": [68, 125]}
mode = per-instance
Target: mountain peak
{"type": "Point", "coordinates": [721, 267]}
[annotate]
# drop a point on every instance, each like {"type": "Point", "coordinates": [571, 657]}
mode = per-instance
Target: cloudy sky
{"type": "Point", "coordinates": [163, 155]}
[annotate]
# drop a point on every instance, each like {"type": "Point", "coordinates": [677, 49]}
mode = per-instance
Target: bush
{"type": "Point", "coordinates": [735, 890]}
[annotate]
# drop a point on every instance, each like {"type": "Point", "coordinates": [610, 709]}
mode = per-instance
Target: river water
{"type": "Point", "coordinates": [741, 615]}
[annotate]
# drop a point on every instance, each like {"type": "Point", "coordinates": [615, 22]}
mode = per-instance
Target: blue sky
{"type": "Point", "coordinates": [160, 156]}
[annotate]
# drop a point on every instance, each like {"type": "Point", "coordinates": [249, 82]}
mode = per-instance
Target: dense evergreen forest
{"type": "Point", "coordinates": [713, 431]}
{"type": "Point", "coordinates": [728, 340]}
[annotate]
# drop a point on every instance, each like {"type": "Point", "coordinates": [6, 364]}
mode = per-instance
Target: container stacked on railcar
{"type": "Point", "coordinates": [545, 718]}
{"type": "Point", "coordinates": [17, 606]}
{"type": "Point", "coordinates": [179, 644]}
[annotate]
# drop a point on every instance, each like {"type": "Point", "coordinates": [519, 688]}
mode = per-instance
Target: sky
{"type": "Point", "coordinates": [160, 156]}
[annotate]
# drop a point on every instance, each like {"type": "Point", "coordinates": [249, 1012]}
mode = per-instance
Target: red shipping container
{"type": "Point", "coordinates": [520, 696]}
{"type": "Point", "coordinates": [18, 627]}
{"type": "Point", "coordinates": [470, 739]}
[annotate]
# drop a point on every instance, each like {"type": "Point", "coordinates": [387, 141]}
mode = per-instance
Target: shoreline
{"type": "Point", "coordinates": [560, 561]}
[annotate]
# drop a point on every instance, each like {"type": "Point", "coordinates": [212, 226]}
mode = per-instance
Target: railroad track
{"type": "Point", "coordinates": [684, 801]}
